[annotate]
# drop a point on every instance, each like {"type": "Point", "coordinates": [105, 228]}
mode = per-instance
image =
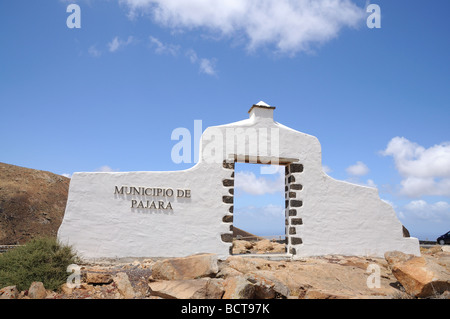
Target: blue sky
{"type": "Point", "coordinates": [108, 95]}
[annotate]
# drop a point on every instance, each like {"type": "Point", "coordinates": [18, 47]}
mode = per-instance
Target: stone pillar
{"type": "Point", "coordinates": [294, 203]}
{"type": "Point", "coordinates": [228, 198]}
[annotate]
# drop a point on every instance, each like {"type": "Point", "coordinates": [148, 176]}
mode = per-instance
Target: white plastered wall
{"type": "Point", "coordinates": [337, 217]}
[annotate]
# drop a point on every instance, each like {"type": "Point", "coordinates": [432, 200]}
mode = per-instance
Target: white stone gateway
{"type": "Point", "coordinates": [180, 213]}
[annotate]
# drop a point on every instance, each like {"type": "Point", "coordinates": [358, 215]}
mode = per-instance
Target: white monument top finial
{"type": "Point", "coordinates": [261, 110]}
{"type": "Point", "coordinates": [262, 103]}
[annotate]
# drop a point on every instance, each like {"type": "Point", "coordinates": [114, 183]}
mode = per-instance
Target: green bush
{"type": "Point", "coordinates": [41, 259]}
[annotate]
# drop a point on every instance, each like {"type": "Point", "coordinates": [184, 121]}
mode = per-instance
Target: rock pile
{"type": "Point", "coordinates": [203, 276]}
{"type": "Point", "coordinates": [257, 247]}
{"type": "Point", "coordinates": [421, 276]}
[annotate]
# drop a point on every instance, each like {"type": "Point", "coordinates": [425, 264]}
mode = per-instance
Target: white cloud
{"type": "Point", "coordinates": [67, 175]}
{"type": "Point", "coordinates": [288, 26]}
{"type": "Point", "coordinates": [371, 183]}
{"type": "Point", "coordinates": [416, 187]}
{"type": "Point", "coordinates": [93, 51]}
{"type": "Point", "coordinates": [425, 171]}
{"type": "Point", "coordinates": [106, 169]}
{"type": "Point", "coordinates": [249, 183]}
{"type": "Point", "coordinates": [274, 210]}
{"type": "Point", "coordinates": [269, 210]}
{"type": "Point", "coordinates": [389, 202]}
{"type": "Point", "coordinates": [192, 55]}
{"type": "Point", "coordinates": [421, 205]}
{"type": "Point", "coordinates": [359, 169]}
{"type": "Point", "coordinates": [206, 66]}
{"type": "Point", "coordinates": [368, 183]}
{"type": "Point", "coordinates": [161, 48]}
{"type": "Point", "coordinates": [326, 169]}
{"type": "Point", "coordinates": [264, 220]}
{"type": "Point", "coordinates": [414, 160]}
{"type": "Point", "coordinates": [116, 43]}
{"type": "Point", "coordinates": [437, 212]}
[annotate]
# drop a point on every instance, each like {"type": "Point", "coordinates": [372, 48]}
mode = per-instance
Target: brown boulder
{"type": "Point", "coordinates": [37, 291]}
{"type": "Point", "coordinates": [268, 288]}
{"type": "Point", "coordinates": [395, 257]}
{"type": "Point", "coordinates": [124, 286]}
{"type": "Point", "coordinates": [192, 267]}
{"type": "Point", "coordinates": [278, 248]}
{"type": "Point", "coordinates": [324, 294]}
{"type": "Point", "coordinates": [98, 278]}
{"type": "Point", "coordinates": [65, 289]}
{"type": "Point", "coordinates": [420, 276]}
{"type": "Point", "coordinates": [263, 246]}
{"type": "Point", "coordinates": [9, 292]}
{"type": "Point", "coordinates": [204, 288]}
{"type": "Point", "coordinates": [241, 247]}
{"type": "Point", "coordinates": [226, 271]}
{"type": "Point", "coordinates": [343, 276]}
{"type": "Point", "coordinates": [245, 265]}
{"type": "Point", "coordinates": [238, 287]}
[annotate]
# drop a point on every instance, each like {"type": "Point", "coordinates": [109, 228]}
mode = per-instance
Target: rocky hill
{"type": "Point", "coordinates": [32, 203]}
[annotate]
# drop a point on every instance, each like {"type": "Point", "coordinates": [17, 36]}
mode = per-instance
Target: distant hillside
{"type": "Point", "coordinates": [242, 234]}
{"type": "Point", "coordinates": [32, 203]}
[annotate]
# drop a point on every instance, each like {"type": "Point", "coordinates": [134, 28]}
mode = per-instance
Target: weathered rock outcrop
{"type": "Point", "coordinates": [9, 292]}
{"type": "Point", "coordinates": [37, 291]}
{"type": "Point", "coordinates": [192, 267]}
{"type": "Point", "coordinates": [204, 288]}
{"type": "Point", "coordinates": [420, 276]}
{"type": "Point", "coordinates": [262, 246]}
{"type": "Point", "coordinates": [123, 285]}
